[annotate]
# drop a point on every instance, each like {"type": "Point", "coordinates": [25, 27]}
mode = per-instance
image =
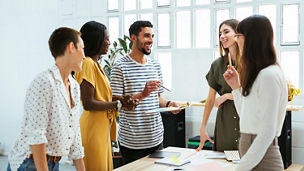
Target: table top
{"type": "Point", "coordinates": [147, 164]}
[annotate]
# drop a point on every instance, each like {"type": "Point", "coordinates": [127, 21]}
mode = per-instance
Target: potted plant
{"type": "Point", "coordinates": [122, 47]}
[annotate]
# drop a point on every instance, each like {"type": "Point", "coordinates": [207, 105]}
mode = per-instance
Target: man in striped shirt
{"type": "Point", "coordinates": [141, 130]}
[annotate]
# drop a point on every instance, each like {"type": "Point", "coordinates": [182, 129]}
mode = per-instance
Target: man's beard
{"type": "Point", "coordinates": [143, 50]}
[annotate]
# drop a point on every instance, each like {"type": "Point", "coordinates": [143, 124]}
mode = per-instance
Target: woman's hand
{"type": "Point", "coordinates": [220, 100]}
{"type": "Point", "coordinates": [204, 137]}
{"type": "Point", "coordinates": [128, 103]}
{"type": "Point", "coordinates": [232, 78]}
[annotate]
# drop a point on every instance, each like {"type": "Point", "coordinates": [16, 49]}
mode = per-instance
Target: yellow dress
{"type": "Point", "coordinates": [97, 127]}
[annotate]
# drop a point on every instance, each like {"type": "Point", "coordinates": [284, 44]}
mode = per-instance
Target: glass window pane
{"type": "Point", "coordinates": [221, 15]}
{"type": "Point", "coordinates": [112, 4]}
{"type": "Point", "coordinates": [270, 12]}
{"type": "Point", "coordinates": [202, 2]}
{"type": "Point", "coordinates": [202, 29]}
{"type": "Point", "coordinates": [146, 4]}
{"type": "Point", "coordinates": [163, 29]}
{"type": "Point", "coordinates": [129, 19]}
{"type": "Point", "coordinates": [113, 29]}
{"type": "Point", "coordinates": [243, 0]}
{"type": "Point", "coordinates": [221, 0]}
{"type": "Point", "coordinates": [181, 3]}
{"type": "Point", "coordinates": [243, 12]}
{"type": "Point", "coordinates": [183, 29]}
{"type": "Point", "coordinates": [129, 5]}
{"type": "Point", "coordinates": [216, 55]}
{"type": "Point", "coordinates": [290, 65]}
{"type": "Point", "coordinates": [164, 58]}
{"type": "Point", "coordinates": [163, 3]}
{"type": "Point", "coordinates": [147, 16]}
{"type": "Point", "coordinates": [290, 24]}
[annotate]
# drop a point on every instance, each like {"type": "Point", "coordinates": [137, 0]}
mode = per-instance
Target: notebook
{"type": "Point", "coordinates": [172, 161]}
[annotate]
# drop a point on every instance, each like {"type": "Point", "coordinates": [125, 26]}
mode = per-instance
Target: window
{"type": "Point", "coordinates": [202, 2]}
{"type": "Point", "coordinates": [129, 5]}
{"type": "Point", "coordinates": [163, 29]}
{"type": "Point", "coordinates": [270, 12]}
{"type": "Point", "coordinates": [146, 4]}
{"type": "Point", "coordinates": [183, 29]}
{"type": "Point", "coordinates": [202, 28]}
{"type": "Point", "coordinates": [164, 58]}
{"type": "Point", "coordinates": [129, 19]}
{"type": "Point", "coordinates": [181, 3]}
{"type": "Point", "coordinates": [113, 28]}
{"type": "Point", "coordinates": [221, 15]}
{"type": "Point", "coordinates": [290, 22]}
{"type": "Point", "coordinates": [221, 0]}
{"type": "Point", "coordinates": [243, 0]}
{"type": "Point", "coordinates": [147, 16]}
{"type": "Point", "coordinates": [216, 55]}
{"type": "Point", "coordinates": [290, 63]}
{"type": "Point", "coordinates": [161, 3]}
{"type": "Point", "coordinates": [195, 24]}
{"type": "Point", "coordinates": [243, 12]}
{"type": "Point", "coordinates": [112, 4]}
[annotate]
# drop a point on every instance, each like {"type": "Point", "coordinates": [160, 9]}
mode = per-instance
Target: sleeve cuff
{"type": "Point", "coordinates": [75, 155]}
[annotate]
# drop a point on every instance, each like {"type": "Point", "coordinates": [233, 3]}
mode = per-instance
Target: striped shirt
{"type": "Point", "coordinates": [143, 127]}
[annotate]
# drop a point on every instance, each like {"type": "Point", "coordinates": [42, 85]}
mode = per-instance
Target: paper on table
{"type": "Point", "coordinates": [210, 166]}
{"type": "Point", "coordinates": [172, 161]}
{"type": "Point", "coordinates": [215, 156]}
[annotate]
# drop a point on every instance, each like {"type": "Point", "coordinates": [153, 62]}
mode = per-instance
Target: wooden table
{"type": "Point", "coordinates": [147, 164]}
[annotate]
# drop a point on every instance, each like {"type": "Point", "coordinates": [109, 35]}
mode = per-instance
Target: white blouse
{"type": "Point", "coordinates": [49, 118]}
{"type": "Point", "coordinates": [262, 112]}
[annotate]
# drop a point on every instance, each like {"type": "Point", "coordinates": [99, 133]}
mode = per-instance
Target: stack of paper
{"type": "Point", "coordinates": [172, 161]}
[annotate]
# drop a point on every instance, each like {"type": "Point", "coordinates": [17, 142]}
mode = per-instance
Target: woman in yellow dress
{"type": "Point", "coordinates": [97, 123]}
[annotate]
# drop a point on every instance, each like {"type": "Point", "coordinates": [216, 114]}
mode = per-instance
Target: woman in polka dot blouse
{"type": "Point", "coordinates": [50, 128]}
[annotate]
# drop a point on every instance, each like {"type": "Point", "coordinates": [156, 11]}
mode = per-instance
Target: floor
{"type": "Point", "coordinates": [64, 165]}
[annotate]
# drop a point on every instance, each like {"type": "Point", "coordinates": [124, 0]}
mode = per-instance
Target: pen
{"type": "Point", "coordinates": [165, 88]}
{"type": "Point", "coordinates": [230, 63]}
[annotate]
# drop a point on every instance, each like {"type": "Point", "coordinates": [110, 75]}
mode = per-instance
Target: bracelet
{"type": "Point", "coordinates": [168, 102]}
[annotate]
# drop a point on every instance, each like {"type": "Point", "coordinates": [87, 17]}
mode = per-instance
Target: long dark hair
{"type": "Point", "coordinates": [224, 52]}
{"type": "Point", "coordinates": [93, 36]}
{"type": "Point", "coordinates": [258, 51]}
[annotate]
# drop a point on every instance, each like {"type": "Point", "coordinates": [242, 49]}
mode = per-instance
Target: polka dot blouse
{"type": "Point", "coordinates": [49, 118]}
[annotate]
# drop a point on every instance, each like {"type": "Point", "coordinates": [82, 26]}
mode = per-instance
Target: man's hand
{"type": "Point", "coordinates": [174, 104]}
{"type": "Point", "coordinates": [150, 87]}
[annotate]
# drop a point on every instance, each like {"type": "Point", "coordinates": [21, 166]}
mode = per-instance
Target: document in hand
{"type": "Point", "coordinates": [172, 161]}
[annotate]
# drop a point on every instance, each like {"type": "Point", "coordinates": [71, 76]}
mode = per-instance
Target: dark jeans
{"type": "Point", "coordinates": [129, 155]}
{"type": "Point", "coordinates": [29, 165]}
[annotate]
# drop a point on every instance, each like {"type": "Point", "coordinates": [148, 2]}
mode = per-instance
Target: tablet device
{"type": "Point", "coordinates": [163, 154]}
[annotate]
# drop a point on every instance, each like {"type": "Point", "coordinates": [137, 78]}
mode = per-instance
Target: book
{"type": "Point", "coordinates": [172, 161]}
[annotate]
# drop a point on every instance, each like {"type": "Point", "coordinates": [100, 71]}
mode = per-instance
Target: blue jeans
{"type": "Point", "coordinates": [29, 165]}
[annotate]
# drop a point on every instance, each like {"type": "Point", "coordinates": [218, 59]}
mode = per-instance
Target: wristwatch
{"type": "Point", "coordinates": [118, 104]}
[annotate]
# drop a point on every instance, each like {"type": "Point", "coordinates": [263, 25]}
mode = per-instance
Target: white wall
{"type": "Point", "coordinates": [24, 31]}
{"type": "Point", "coordinates": [25, 27]}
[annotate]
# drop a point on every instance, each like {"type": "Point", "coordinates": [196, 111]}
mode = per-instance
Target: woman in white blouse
{"type": "Point", "coordinates": [52, 107]}
{"type": "Point", "coordinates": [260, 96]}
